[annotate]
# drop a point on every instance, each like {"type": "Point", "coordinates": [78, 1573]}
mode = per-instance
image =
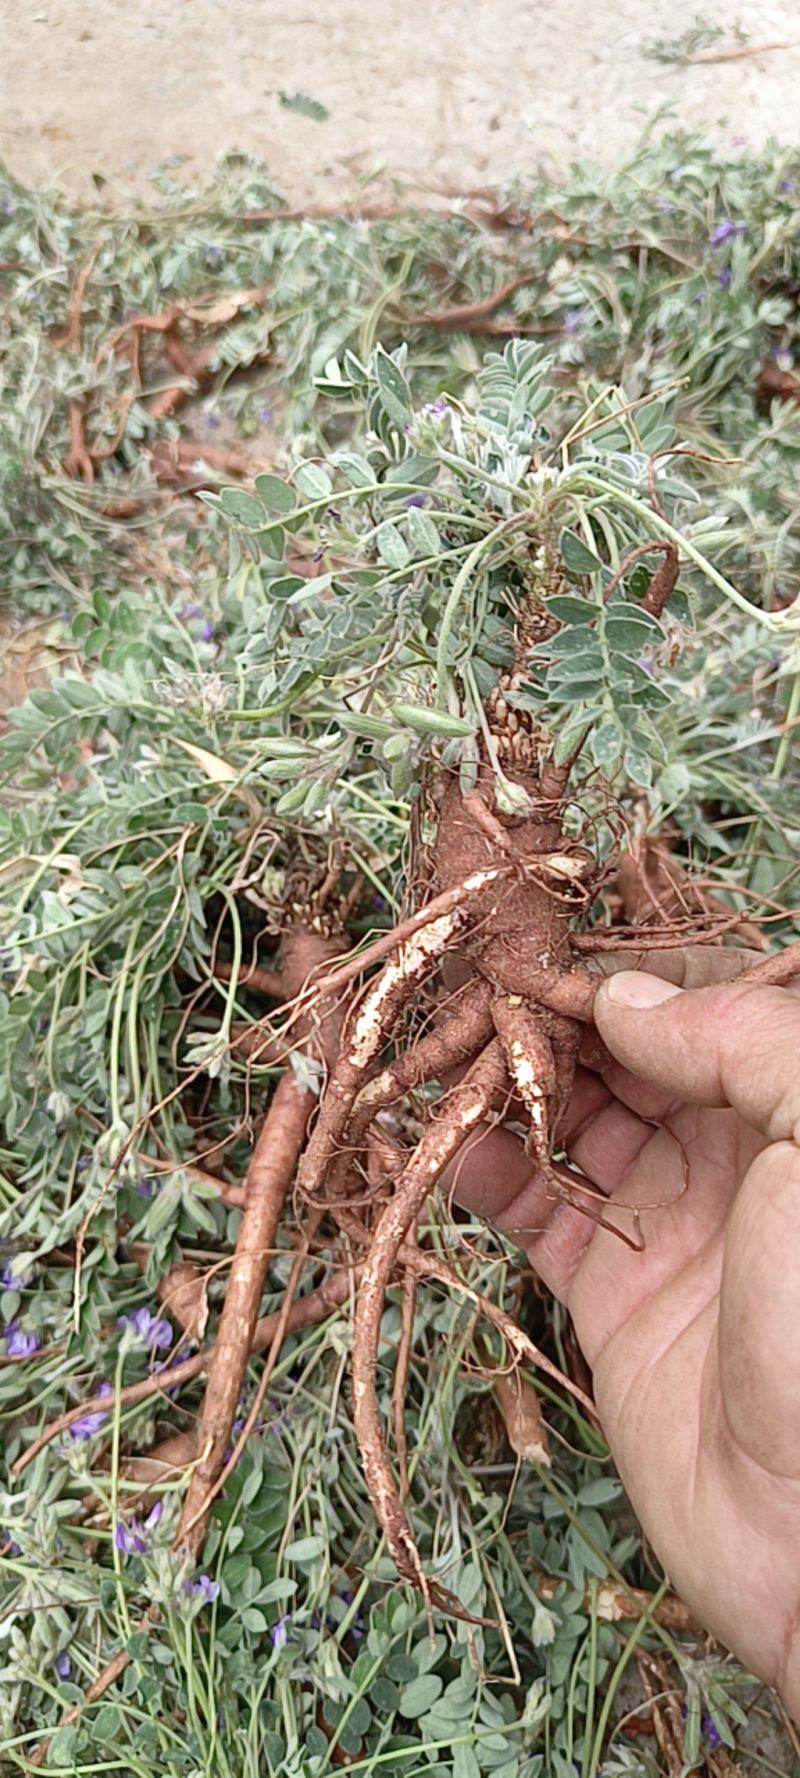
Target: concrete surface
{"type": "Point", "coordinates": [447, 93]}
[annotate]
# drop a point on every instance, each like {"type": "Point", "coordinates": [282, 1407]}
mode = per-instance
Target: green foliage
{"type": "Point", "coordinates": [247, 677]}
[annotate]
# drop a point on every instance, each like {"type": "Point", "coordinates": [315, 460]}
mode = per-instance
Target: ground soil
{"type": "Point", "coordinates": [449, 94]}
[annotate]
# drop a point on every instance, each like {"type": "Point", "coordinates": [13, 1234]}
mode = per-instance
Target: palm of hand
{"type": "Point", "coordinates": [694, 1343]}
{"type": "Point", "coordinates": [702, 1450]}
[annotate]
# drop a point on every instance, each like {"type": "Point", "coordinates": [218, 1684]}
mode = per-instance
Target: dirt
{"type": "Point", "coordinates": [448, 96]}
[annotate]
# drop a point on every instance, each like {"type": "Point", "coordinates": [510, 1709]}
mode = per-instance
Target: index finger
{"type": "Point", "coordinates": [687, 966]}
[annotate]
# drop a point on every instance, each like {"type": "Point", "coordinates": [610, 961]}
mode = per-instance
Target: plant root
{"type": "Point", "coordinates": [482, 1091]}
{"type": "Point", "coordinates": [372, 1021]}
{"type": "Point", "coordinates": [524, 1422]}
{"type": "Point", "coordinates": [405, 1344]}
{"type": "Point", "coordinates": [775, 971]}
{"type": "Point", "coordinates": [269, 1179]}
{"type": "Point", "coordinates": [664, 581]}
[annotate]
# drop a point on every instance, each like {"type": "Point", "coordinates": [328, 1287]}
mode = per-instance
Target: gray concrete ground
{"type": "Point", "coordinates": [452, 94]}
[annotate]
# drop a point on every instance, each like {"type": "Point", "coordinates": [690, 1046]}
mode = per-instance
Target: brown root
{"type": "Point", "coordinates": [664, 581]}
{"type": "Point", "coordinates": [524, 1422]}
{"type": "Point", "coordinates": [482, 1090]}
{"type": "Point", "coordinates": [269, 1179]}
{"type": "Point", "coordinates": [400, 1382]}
{"type": "Point", "coordinates": [373, 1019]}
{"type": "Point", "coordinates": [775, 971]}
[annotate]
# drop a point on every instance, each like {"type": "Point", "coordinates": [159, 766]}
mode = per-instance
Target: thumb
{"type": "Point", "coordinates": [735, 1044]}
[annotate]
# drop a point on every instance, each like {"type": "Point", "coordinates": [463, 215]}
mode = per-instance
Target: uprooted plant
{"type": "Point", "coordinates": [471, 621]}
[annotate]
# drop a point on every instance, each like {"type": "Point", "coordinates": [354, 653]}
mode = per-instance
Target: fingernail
{"type": "Point", "coordinates": [635, 988]}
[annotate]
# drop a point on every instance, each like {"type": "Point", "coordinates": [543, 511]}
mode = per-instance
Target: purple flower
{"type": "Point", "coordinates": [264, 416]}
{"type": "Point", "coordinates": [9, 208]}
{"type": "Point", "coordinates": [205, 1588]}
{"type": "Point", "coordinates": [417, 500]}
{"type": "Point", "coordinates": [154, 1332]}
{"type": "Point", "coordinates": [332, 512]}
{"type": "Point", "coordinates": [711, 1732]}
{"type": "Point", "coordinates": [16, 1277]}
{"type": "Point", "coordinates": [437, 408]}
{"type": "Point", "coordinates": [724, 277]}
{"type": "Point", "coordinates": [787, 185]}
{"type": "Point", "coordinates": [11, 1545]}
{"type": "Point", "coordinates": [147, 1188]}
{"type": "Point", "coordinates": [63, 1665]}
{"type": "Point", "coordinates": [133, 1539]}
{"type": "Point", "coordinates": [280, 1634]}
{"type": "Point", "coordinates": [31, 295]}
{"type": "Point", "coordinates": [783, 358]}
{"type": "Point", "coordinates": [573, 320]}
{"type": "Point", "coordinates": [646, 666]}
{"type": "Point", "coordinates": [130, 1539]}
{"type": "Point", "coordinates": [213, 421]}
{"type": "Point", "coordinates": [724, 231]}
{"type": "Point", "coordinates": [213, 255]}
{"type": "Point", "coordinates": [189, 611]}
{"type": "Point", "coordinates": [665, 206]}
{"type": "Point", "coordinates": [84, 1162]}
{"type": "Point", "coordinates": [18, 1343]}
{"type": "Point", "coordinates": [89, 1424]}
{"type": "Point", "coordinates": [208, 631]}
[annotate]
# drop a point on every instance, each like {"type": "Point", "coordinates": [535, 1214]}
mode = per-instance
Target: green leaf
{"type": "Point", "coordinates": [276, 494]}
{"type": "Point", "coordinates": [675, 782]}
{"type": "Point", "coordinates": [62, 1748]}
{"type": "Point", "coordinates": [284, 586]}
{"type": "Point", "coordinates": [606, 745]}
{"type": "Point", "coordinates": [357, 470]}
{"type": "Point", "coordinates": [575, 555]}
{"type": "Point", "coordinates": [418, 1697]}
{"type": "Point", "coordinates": [415, 468]}
{"type": "Point", "coordinates": [312, 482]}
{"type": "Point", "coordinates": [235, 1572]}
{"type": "Point", "coordinates": [601, 1491]}
{"type": "Point", "coordinates": [465, 1764]}
{"type": "Point", "coordinates": [107, 1723]}
{"type": "Point", "coordinates": [570, 609]}
{"type": "Point", "coordinates": [392, 547]}
{"type": "Point", "coordinates": [305, 1549]}
{"type": "Point", "coordinates": [423, 535]}
{"type": "Point", "coordinates": [244, 508]}
{"type": "Point", "coordinates": [385, 1696]}
{"type": "Point", "coordinates": [639, 767]}
{"type": "Point", "coordinates": [277, 1591]}
{"type": "Point", "coordinates": [253, 1619]}
{"type": "Point", "coordinates": [304, 106]}
{"type": "Point", "coordinates": [393, 388]}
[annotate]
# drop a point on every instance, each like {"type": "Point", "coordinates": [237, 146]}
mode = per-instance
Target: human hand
{"type": "Point", "coordinates": [694, 1343]}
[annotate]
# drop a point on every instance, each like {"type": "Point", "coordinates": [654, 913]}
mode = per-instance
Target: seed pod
{"type": "Point", "coordinates": [430, 722]}
{"type": "Point", "coordinates": [376, 728]}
